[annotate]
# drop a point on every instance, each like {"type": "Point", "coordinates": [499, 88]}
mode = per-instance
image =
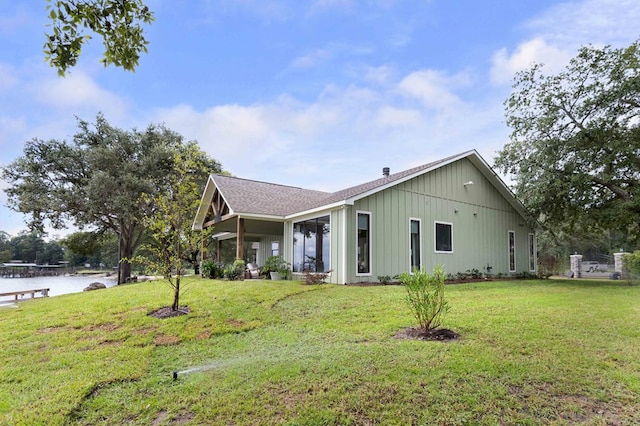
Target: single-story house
{"type": "Point", "coordinates": [456, 212]}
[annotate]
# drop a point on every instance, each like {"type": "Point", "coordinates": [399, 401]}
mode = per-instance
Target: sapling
{"type": "Point", "coordinates": [425, 296]}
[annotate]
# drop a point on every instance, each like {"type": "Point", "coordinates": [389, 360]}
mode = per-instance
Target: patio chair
{"type": "Point", "coordinates": [253, 270]}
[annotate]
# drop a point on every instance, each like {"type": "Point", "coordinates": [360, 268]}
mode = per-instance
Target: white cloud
{"type": "Point", "coordinates": [433, 88]}
{"type": "Point", "coordinates": [312, 59]}
{"type": "Point", "coordinates": [556, 35]}
{"type": "Point", "coordinates": [328, 53]}
{"type": "Point", "coordinates": [349, 132]}
{"type": "Point", "coordinates": [320, 6]}
{"type": "Point", "coordinates": [77, 92]}
{"type": "Point", "coordinates": [378, 75]}
{"type": "Point", "coordinates": [575, 23]}
{"type": "Point", "coordinates": [7, 77]}
{"type": "Point", "coordinates": [390, 116]}
{"type": "Point", "coordinates": [505, 66]}
{"type": "Point", "coordinates": [10, 23]}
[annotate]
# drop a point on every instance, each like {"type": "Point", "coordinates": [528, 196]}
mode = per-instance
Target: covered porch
{"type": "Point", "coordinates": [259, 237]}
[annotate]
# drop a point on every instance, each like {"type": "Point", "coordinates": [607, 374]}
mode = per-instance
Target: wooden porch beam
{"type": "Point", "coordinates": [240, 239]}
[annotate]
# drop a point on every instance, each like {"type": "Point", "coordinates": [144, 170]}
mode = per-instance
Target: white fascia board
{"type": "Point", "coordinates": [327, 207]}
{"type": "Point", "coordinates": [268, 217]}
{"type": "Point", "coordinates": [223, 236]}
{"type": "Point", "coordinates": [205, 200]}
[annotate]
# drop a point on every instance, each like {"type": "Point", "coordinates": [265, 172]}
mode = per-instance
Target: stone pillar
{"type": "Point", "coordinates": [618, 259]}
{"type": "Point", "coordinates": [576, 265]}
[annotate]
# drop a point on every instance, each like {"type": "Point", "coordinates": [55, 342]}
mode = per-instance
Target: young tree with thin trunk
{"type": "Point", "coordinates": [173, 240]}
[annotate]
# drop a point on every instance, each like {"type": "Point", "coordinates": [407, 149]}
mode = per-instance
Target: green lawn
{"type": "Point", "coordinates": [531, 352]}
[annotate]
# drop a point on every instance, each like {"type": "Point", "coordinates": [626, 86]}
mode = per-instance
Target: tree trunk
{"type": "Point", "coordinates": [126, 253]}
{"type": "Point", "coordinates": [176, 294]}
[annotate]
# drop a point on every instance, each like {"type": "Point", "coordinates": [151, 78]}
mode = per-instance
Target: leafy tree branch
{"type": "Point", "coordinates": [117, 22]}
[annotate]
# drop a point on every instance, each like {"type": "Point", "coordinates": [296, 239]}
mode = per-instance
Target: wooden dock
{"type": "Point", "coordinates": [44, 292]}
{"type": "Point", "coordinates": [30, 270]}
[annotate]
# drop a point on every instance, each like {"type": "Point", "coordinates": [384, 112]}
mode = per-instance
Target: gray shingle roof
{"type": "Point", "coordinates": [354, 191]}
{"type": "Point", "coordinates": [263, 198]}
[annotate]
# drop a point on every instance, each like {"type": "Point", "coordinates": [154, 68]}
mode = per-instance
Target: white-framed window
{"type": "Point", "coordinates": [443, 237]}
{"type": "Point", "coordinates": [275, 248]}
{"type": "Point", "coordinates": [363, 247]}
{"type": "Point", "coordinates": [311, 245]}
{"type": "Point", "coordinates": [512, 251]}
{"type": "Point", "coordinates": [415, 244]}
{"type": "Point", "coordinates": [532, 253]}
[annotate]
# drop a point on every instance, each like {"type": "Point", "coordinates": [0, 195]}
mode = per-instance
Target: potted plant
{"type": "Point", "coordinates": [277, 268]}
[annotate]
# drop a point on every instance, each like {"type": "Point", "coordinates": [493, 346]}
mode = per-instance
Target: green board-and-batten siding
{"type": "Point", "coordinates": [480, 215]}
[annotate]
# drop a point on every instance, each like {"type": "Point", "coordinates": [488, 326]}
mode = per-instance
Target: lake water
{"type": "Point", "coordinates": [56, 285]}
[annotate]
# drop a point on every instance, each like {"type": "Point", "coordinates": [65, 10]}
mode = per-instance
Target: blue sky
{"type": "Point", "coordinates": [320, 93]}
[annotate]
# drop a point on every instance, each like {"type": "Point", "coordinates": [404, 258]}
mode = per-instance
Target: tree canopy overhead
{"type": "Point", "coordinates": [98, 180]}
{"type": "Point", "coordinates": [574, 151]}
{"type": "Point", "coordinates": [117, 22]}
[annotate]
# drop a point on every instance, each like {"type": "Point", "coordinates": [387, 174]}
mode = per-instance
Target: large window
{"type": "Point", "coordinates": [512, 251]}
{"type": "Point", "coordinates": [444, 237]}
{"type": "Point", "coordinates": [311, 242]}
{"type": "Point", "coordinates": [415, 248]}
{"type": "Point", "coordinates": [532, 253]}
{"type": "Point", "coordinates": [364, 243]}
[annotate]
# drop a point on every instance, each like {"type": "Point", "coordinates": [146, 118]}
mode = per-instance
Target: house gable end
{"type": "Point", "coordinates": [213, 205]}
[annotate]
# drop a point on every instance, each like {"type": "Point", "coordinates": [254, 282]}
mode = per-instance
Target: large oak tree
{"type": "Point", "coordinates": [97, 181]}
{"type": "Point", "coordinates": [574, 150]}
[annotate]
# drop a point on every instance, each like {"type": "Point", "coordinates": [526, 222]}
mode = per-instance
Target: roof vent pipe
{"type": "Point", "coordinates": [385, 171]}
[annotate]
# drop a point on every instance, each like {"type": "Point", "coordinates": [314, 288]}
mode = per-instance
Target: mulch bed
{"type": "Point", "coordinates": [469, 280]}
{"type": "Point", "coordinates": [166, 312]}
{"type": "Point", "coordinates": [438, 334]}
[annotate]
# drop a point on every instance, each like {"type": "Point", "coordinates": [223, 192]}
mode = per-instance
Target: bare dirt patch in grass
{"type": "Point", "coordinates": [234, 322]}
{"type": "Point", "coordinates": [203, 335]}
{"type": "Point", "coordinates": [165, 340]}
{"type": "Point", "coordinates": [572, 408]}
{"type": "Point", "coordinates": [181, 419]}
{"type": "Point", "coordinates": [109, 326]}
{"type": "Point", "coordinates": [53, 329]}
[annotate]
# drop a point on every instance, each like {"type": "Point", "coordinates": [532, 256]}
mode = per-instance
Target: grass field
{"type": "Point", "coordinates": [261, 352]}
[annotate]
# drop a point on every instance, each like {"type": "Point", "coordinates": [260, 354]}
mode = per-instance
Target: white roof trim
{"type": "Point", "coordinates": [203, 207]}
{"type": "Point", "coordinates": [396, 182]}
{"type": "Point", "coordinates": [331, 206]}
{"type": "Point", "coordinates": [473, 156]}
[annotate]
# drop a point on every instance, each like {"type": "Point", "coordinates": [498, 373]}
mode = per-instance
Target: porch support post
{"type": "Point", "coordinates": [219, 251]}
{"type": "Point", "coordinates": [203, 249]}
{"type": "Point", "coordinates": [240, 239]}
